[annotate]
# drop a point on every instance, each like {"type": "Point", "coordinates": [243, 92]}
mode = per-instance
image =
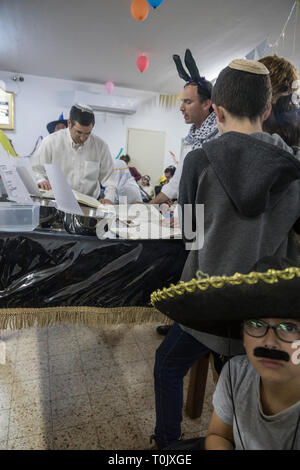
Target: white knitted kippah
{"type": "Point", "coordinates": [84, 108]}
{"type": "Point", "coordinates": [251, 66]}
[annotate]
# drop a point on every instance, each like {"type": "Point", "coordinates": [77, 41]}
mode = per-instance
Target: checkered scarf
{"type": "Point", "coordinates": [208, 130]}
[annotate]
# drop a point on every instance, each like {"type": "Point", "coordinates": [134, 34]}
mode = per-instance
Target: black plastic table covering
{"type": "Point", "coordinates": [42, 270]}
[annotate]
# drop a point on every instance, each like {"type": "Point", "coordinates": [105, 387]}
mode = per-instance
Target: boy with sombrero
{"type": "Point", "coordinates": [257, 399]}
{"type": "Point", "coordinates": [249, 184]}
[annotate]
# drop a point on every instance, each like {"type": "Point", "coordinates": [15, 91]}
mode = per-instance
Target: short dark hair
{"type": "Point", "coordinates": [170, 169]}
{"type": "Point", "coordinates": [203, 92]}
{"type": "Point", "coordinates": [242, 94]}
{"type": "Point", "coordinates": [284, 120]}
{"type": "Point", "coordinates": [84, 118]}
{"type": "Point", "coordinates": [125, 158]}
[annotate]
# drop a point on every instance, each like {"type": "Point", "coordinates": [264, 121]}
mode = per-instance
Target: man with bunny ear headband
{"type": "Point", "coordinates": [196, 109]}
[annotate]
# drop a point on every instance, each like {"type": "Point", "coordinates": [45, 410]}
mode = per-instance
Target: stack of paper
{"type": "Point", "coordinates": [142, 222]}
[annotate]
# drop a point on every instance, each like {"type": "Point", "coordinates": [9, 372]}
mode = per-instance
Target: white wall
{"type": "Point", "coordinates": [39, 100]}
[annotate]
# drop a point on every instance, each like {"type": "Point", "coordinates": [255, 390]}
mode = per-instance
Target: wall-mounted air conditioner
{"type": "Point", "coordinates": [107, 103]}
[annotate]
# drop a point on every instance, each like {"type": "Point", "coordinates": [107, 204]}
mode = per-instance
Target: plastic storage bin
{"type": "Point", "coordinates": [19, 217]}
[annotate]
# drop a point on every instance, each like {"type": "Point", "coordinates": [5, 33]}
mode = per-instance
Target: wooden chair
{"type": "Point", "coordinates": [197, 385]}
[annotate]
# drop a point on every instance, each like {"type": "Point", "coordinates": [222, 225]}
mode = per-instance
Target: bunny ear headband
{"type": "Point", "coordinates": [204, 87]}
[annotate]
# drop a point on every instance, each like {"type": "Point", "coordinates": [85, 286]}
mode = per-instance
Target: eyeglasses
{"type": "Point", "coordinates": [287, 332]}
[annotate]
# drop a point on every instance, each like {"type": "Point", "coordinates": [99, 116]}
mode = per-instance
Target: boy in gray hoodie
{"type": "Point", "coordinates": [249, 183]}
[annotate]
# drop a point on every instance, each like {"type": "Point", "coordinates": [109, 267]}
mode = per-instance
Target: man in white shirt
{"type": "Point", "coordinates": [84, 158]}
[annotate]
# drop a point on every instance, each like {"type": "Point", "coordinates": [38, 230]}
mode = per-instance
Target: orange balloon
{"type": "Point", "coordinates": [139, 9]}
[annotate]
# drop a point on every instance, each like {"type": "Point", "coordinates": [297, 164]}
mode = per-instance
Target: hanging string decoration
{"type": "Point", "coordinates": [264, 48]}
{"type": "Point", "coordinates": [284, 29]}
{"type": "Point", "coordinates": [170, 101]}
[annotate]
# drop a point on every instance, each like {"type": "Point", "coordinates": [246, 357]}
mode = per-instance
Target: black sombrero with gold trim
{"type": "Point", "coordinates": [212, 304]}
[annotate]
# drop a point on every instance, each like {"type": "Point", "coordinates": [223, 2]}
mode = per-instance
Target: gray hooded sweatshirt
{"type": "Point", "coordinates": [250, 187]}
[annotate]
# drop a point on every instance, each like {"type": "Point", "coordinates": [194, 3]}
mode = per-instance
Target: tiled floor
{"type": "Point", "coordinates": [76, 387]}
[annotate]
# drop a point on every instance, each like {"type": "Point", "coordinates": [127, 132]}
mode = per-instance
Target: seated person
{"type": "Point", "coordinates": [136, 175]}
{"type": "Point", "coordinates": [127, 187]}
{"type": "Point", "coordinates": [147, 187]}
{"type": "Point", "coordinates": [162, 181]}
{"type": "Point", "coordinates": [169, 173]}
{"type": "Point", "coordinates": [165, 179]}
{"type": "Point", "coordinates": [257, 398]}
{"type": "Point", "coordinates": [266, 381]}
{"type": "Point", "coordinates": [83, 157]}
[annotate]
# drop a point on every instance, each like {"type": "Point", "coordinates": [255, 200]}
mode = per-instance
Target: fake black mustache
{"type": "Point", "coordinates": [271, 354]}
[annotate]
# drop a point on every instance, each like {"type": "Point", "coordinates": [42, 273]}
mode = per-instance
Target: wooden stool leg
{"type": "Point", "coordinates": [197, 385]}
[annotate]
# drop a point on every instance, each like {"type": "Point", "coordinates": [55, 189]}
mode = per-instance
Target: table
{"type": "Point", "coordinates": [48, 277]}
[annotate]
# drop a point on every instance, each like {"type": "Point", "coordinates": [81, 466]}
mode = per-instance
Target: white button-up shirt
{"type": "Point", "coordinates": [85, 166]}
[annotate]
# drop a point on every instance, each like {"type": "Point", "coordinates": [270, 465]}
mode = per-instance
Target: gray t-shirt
{"type": "Point", "coordinates": [258, 431]}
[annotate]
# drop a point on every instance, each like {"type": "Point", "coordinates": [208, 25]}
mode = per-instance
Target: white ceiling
{"type": "Point", "coordinates": [98, 40]}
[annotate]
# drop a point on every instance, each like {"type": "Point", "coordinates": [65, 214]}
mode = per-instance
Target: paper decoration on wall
{"type": "Point", "coordinates": [170, 101]}
{"type": "Point", "coordinates": [139, 9]}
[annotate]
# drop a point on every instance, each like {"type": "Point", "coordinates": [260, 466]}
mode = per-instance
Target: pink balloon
{"type": "Point", "coordinates": [109, 87]}
{"type": "Point", "coordinates": [142, 63]}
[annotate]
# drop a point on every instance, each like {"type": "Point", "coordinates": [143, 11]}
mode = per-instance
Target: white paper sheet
{"type": "Point", "coordinates": [65, 200]}
{"type": "Point", "coordinates": [29, 183]}
{"type": "Point", "coordinates": [13, 184]}
{"type": "Point", "coordinates": [24, 161]}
